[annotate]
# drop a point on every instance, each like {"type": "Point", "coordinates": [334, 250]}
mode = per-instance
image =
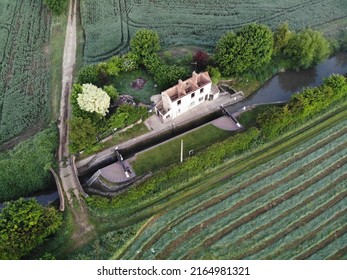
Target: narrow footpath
{"type": "Point", "coordinates": [67, 172]}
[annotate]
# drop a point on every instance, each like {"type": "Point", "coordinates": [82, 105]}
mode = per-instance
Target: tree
{"type": "Point", "coordinates": [130, 62]}
{"type": "Point", "coordinates": [24, 224]}
{"type": "Point", "coordinates": [214, 74]}
{"type": "Point", "coordinates": [247, 50]}
{"type": "Point", "coordinates": [281, 37]}
{"type": "Point", "coordinates": [112, 92]}
{"type": "Point", "coordinates": [201, 58]}
{"type": "Point", "coordinates": [144, 43]}
{"type": "Point", "coordinates": [89, 74]}
{"type": "Point", "coordinates": [56, 6]}
{"type": "Point", "coordinates": [307, 48]}
{"type": "Point", "coordinates": [93, 99]}
{"type": "Point", "coordinates": [82, 134]}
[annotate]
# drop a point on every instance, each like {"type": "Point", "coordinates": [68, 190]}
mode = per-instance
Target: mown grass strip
{"type": "Point", "coordinates": [339, 254]}
{"type": "Point", "coordinates": [171, 198]}
{"type": "Point", "coordinates": [217, 199]}
{"type": "Point", "coordinates": [227, 230]}
{"type": "Point", "coordinates": [286, 213]}
{"type": "Point", "coordinates": [193, 231]}
{"type": "Point", "coordinates": [309, 235]}
{"type": "Point", "coordinates": [326, 124]}
{"type": "Point", "coordinates": [295, 225]}
{"type": "Point", "coordinates": [339, 232]}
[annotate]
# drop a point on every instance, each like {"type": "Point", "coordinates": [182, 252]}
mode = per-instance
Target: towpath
{"type": "Point", "coordinates": [67, 172]}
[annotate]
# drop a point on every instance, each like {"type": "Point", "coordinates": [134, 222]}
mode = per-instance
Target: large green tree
{"type": "Point", "coordinates": [144, 43]}
{"type": "Point", "coordinates": [306, 48]}
{"type": "Point", "coordinates": [247, 50]}
{"type": "Point", "coordinates": [281, 37]}
{"type": "Point", "coordinates": [82, 134]}
{"type": "Point", "coordinates": [24, 224]}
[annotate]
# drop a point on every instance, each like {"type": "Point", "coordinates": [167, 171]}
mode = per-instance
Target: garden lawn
{"type": "Point", "coordinates": [124, 81]}
{"type": "Point", "coordinates": [169, 152]}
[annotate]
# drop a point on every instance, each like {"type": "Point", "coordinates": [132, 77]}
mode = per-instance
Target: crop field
{"type": "Point", "coordinates": [109, 24]}
{"type": "Point", "coordinates": [291, 207]}
{"type": "Point", "coordinates": [24, 66]}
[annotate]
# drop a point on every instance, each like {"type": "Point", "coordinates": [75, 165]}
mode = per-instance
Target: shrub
{"type": "Point", "coordinates": [30, 159]}
{"type": "Point", "coordinates": [24, 224]}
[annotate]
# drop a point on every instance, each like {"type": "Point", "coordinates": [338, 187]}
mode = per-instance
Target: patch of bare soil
{"type": "Point", "coordinates": [139, 83]}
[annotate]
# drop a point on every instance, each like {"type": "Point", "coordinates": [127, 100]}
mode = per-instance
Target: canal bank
{"type": "Point", "coordinates": [279, 89]}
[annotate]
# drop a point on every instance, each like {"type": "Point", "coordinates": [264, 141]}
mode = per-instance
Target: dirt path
{"type": "Point", "coordinates": [66, 170]}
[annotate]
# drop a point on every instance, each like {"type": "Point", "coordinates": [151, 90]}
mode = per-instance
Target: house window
{"type": "Point", "coordinates": [192, 104]}
{"type": "Point", "coordinates": [168, 116]}
{"type": "Point", "coordinates": [201, 90]}
{"type": "Point", "coordinates": [200, 99]}
{"type": "Point", "coordinates": [179, 102]}
{"type": "Point", "coordinates": [193, 94]}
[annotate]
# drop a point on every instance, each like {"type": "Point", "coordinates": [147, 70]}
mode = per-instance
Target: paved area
{"type": "Point", "coordinates": [155, 124]}
{"type": "Point", "coordinates": [225, 123]}
{"type": "Point", "coordinates": [115, 172]}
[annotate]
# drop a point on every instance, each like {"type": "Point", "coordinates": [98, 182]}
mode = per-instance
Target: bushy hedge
{"type": "Point", "coordinates": [303, 105]}
{"type": "Point", "coordinates": [24, 170]}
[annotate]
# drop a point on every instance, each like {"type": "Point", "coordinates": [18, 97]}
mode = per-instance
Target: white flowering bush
{"type": "Point", "coordinates": [93, 99]}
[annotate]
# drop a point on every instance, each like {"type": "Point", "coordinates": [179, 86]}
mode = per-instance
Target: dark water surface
{"type": "Point", "coordinates": [283, 85]}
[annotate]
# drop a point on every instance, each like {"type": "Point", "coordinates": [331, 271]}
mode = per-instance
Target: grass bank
{"type": "Point", "coordinates": [57, 42]}
{"type": "Point", "coordinates": [169, 197]}
{"type": "Point", "coordinates": [169, 152]}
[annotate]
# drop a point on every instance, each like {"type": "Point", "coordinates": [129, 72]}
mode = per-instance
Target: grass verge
{"type": "Point", "coordinates": [211, 178]}
{"type": "Point", "coordinates": [169, 152]}
{"type": "Point", "coordinates": [117, 138]}
{"type": "Point", "coordinates": [58, 30]}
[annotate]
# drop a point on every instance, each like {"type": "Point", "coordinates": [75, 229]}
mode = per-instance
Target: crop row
{"type": "Point", "coordinates": [212, 194]}
{"type": "Point", "coordinates": [192, 22]}
{"type": "Point", "coordinates": [311, 237]}
{"type": "Point", "coordinates": [288, 210]}
{"type": "Point", "coordinates": [24, 71]}
{"type": "Point", "coordinates": [302, 225]}
{"type": "Point", "coordinates": [226, 205]}
{"type": "Point", "coordinates": [247, 213]}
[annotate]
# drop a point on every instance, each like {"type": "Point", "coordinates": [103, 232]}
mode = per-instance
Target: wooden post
{"type": "Point", "coordinates": [181, 150]}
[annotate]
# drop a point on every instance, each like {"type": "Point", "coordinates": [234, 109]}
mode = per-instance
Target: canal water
{"type": "Point", "coordinates": [278, 89]}
{"type": "Point", "coordinates": [281, 87]}
{"type": "Point", "coordinates": [43, 197]}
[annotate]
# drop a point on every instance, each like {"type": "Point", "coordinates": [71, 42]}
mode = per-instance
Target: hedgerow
{"type": "Point", "coordinates": [25, 169]}
{"type": "Point", "coordinates": [302, 105]}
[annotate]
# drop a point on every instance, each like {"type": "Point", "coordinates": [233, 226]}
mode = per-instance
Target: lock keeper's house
{"type": "Point", "coordinates": [186, 95]}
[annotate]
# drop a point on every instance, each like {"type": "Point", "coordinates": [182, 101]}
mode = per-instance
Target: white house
{"type": "Point", "coordinates": [186, 95]}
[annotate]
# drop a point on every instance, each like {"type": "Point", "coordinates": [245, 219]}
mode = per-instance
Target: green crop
{"type": "Point", "coordinates": [24, 71]}
{"type": "Point", "coordinates": [109, 25]}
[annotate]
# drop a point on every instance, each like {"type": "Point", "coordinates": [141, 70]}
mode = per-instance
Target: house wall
{"type": "Point", "coordinates": [187, 102]}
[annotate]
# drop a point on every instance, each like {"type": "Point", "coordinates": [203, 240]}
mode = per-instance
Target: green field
{"type": "Point", "coordinates": [25, 67]}
{"type": "Point", "coordinates": [109, 25]}
{"type": "Point", "coordinates": [290, 207]}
